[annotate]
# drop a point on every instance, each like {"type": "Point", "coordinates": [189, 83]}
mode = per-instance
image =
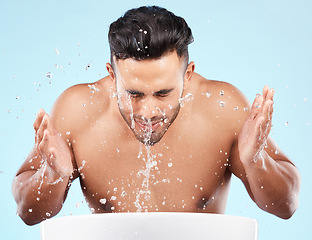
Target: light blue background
{"type": "Point", "coordinates": [247, 43]}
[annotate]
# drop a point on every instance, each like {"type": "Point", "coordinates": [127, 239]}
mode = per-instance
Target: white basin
{"type": "Point", "coordinates": [149, 226]}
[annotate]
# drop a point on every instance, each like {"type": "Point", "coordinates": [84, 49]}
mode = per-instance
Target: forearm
{"type": "Point", "coordinates": [39, 194]}
{"type": "Point", "coordinates": [274, 184]}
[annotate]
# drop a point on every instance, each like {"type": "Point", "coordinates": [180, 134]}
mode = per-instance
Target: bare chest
{"type": "Point", "coordinates": [185, 171]}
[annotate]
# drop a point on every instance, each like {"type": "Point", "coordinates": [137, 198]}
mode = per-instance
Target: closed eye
{"type": "Point", "coordinates": [135, 94]}
{"type": "Point", "coordinates": [163, 93]}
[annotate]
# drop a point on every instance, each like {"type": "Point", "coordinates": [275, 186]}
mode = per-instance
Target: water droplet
{"type": "Point", "coordinates": [169, 164]}
{"type": "Point", "coordinates": [262, 187]}
{"type": "Point", "coordinates": [222, 103]}
{"type": "Point", "coordinates": [48, 214]}
{"type": "Point", "coordinates": [113, 198]}
{"type": "Point", "coordinates": [257, 105]}
{"type": "Point", "coordinates": [30, 210]}
{"type": "Point", "coordinates": [49, 75]}
{"type": "Point", "coordinates": [246, 109]}
{"type": "Point", "coordinates": [208, 94]}
{"type": "Point", "coordinates": [145, 32]}
{"type": "Point", "coordinates": [67, 133]}
{"type": "Point", "coordinates": [221, 93]}
{"type": "Point", "coordinates": [103, 201]}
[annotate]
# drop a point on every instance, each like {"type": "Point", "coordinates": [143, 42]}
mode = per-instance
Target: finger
{"type": "Point", "coordinates": [43, 146]}
{"type": "Point", "coordinates": [267, 108]}
{"type": "Point", "coordinates": [257, 133]}
{"type": "Point", "coordinates": [256, 106]}
{"type": "Point", "coordinates": [270, 94]}
{"type": "Point", "coordinates": [265, 91]}
{"type": "Point", "coordinates": [267, 115]}
{"type": "Point", "coordinates": [43, 126]}
{"type": "Point", "coordinates": [38, 120]}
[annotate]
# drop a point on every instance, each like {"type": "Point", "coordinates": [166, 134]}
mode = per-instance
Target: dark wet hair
{"type": "Point", "coordinates": [149, 33]}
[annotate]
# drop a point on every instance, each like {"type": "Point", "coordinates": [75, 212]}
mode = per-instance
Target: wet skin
{"type": "Point", "coordinates": [97, 132]}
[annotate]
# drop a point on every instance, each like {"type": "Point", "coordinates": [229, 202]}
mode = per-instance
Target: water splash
{"type": "Point", "coordinates": [143, 194]}
{"type": "Point", "coordinates": [188, 97]}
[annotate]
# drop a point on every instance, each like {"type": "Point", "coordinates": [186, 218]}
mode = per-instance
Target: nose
{"type": "Point", "coordinates": [148, 109]}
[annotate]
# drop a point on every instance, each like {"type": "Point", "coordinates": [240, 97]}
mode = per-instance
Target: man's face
{"type": "Point", "coordinates": [148, 93]}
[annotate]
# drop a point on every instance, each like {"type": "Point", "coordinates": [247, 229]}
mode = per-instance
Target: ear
{"type": "Point", "coordinates": [110, 71]}
{"type": "Point", "coordinates": [188, 74]}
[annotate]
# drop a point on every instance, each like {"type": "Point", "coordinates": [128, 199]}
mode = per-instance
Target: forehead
{"type": "Point", "coordinates": [169, 69]}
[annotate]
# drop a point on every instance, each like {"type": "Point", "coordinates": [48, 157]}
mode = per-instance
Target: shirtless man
{"type": "Point", "coordinates": [153, 135]}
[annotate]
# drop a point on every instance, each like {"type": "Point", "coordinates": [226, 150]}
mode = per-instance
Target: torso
{"type": "Point", "coordinates": [186, 171]}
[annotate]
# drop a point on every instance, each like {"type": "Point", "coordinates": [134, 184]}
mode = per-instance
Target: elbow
{"type": "Point", "coordinates": [28, 215]}
{"type": "Point", "coordinates": [30, 221]}
{"type": "Point", "coordinates": [291, 204]}
{"type": "Point", "coordinates": [289, 210]}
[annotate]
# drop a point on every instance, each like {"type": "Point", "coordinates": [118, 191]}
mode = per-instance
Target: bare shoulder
{"type": "Point", "coordinates": [221, 100]}
{"type": "Point", "coordinates": [223, 93]}
{"type": "Point", "coordinates": [80, 104]}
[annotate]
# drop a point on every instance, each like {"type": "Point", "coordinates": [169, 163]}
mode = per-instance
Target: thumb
{"type": "Point", "coordinates": [43, 145]}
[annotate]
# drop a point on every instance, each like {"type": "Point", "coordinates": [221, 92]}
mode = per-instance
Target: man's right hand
{"type": "Point", "coordinates": [50, 145]}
